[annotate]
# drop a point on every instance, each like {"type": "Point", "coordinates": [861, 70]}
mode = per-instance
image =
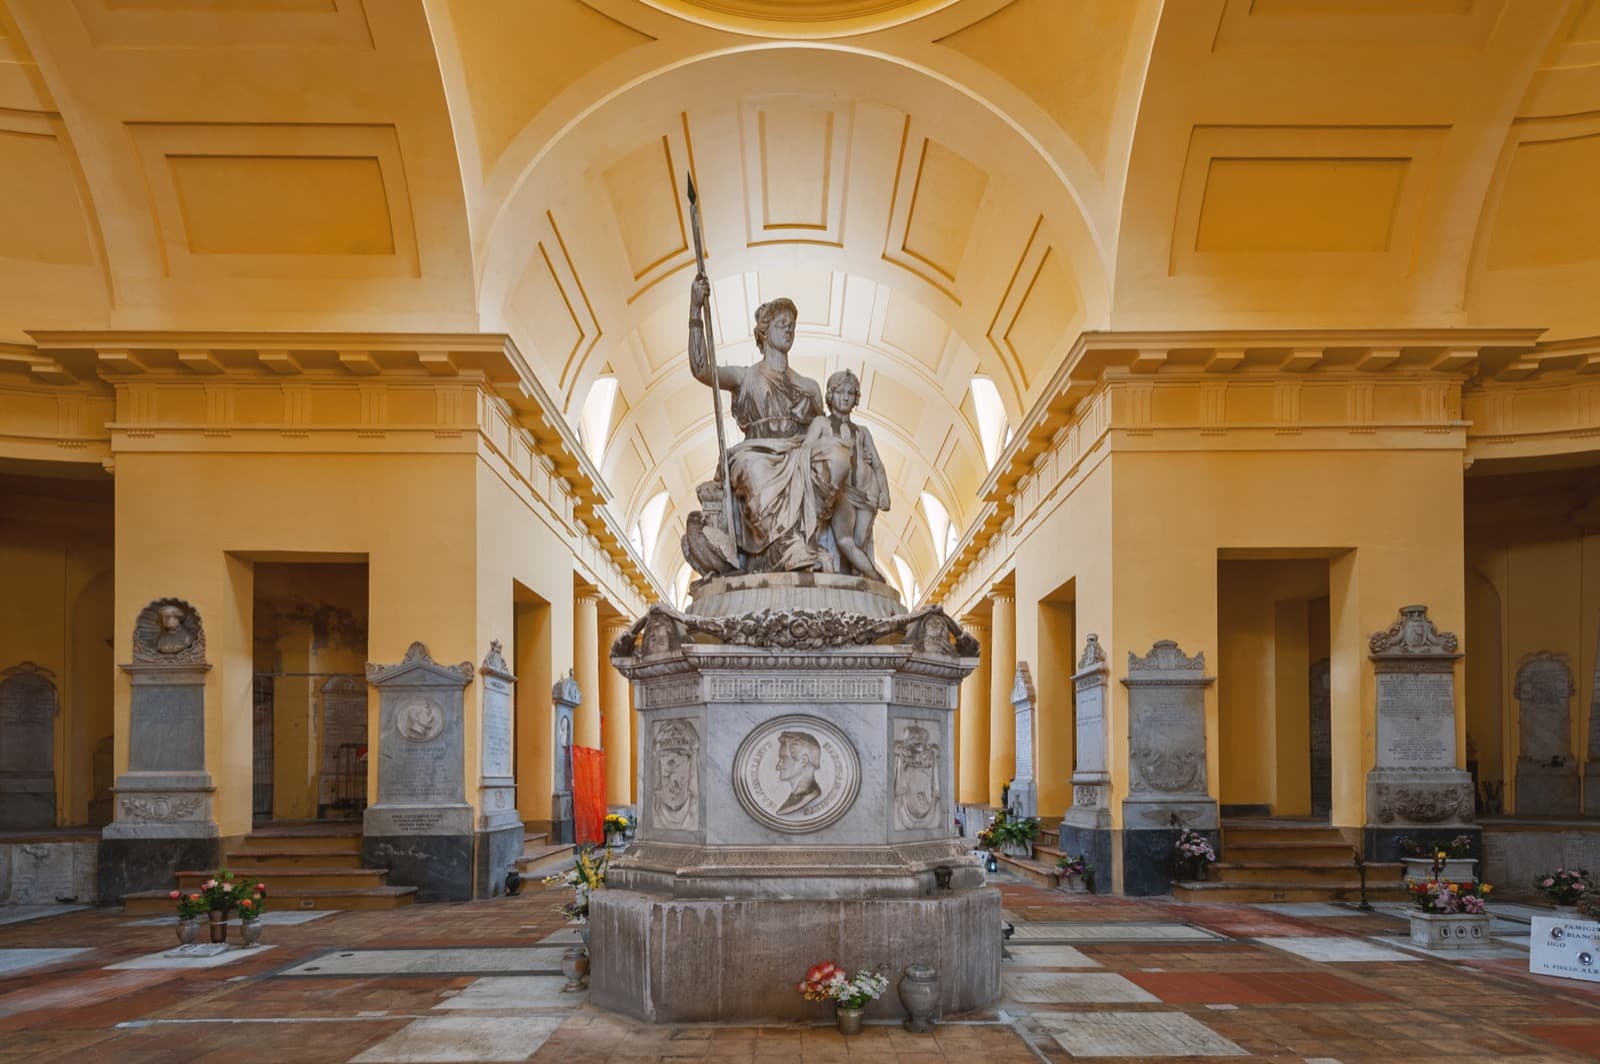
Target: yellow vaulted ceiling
{"type": "Point", "coordinates": [945, 187]}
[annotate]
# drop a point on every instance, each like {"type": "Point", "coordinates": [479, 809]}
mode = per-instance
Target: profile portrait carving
{"type": "Point", "coordinates": [168, 632]}
{"type": "Point", "coordinates": [420, 720]}
{"type": "Point", "coordinates": [675, 776]}
{"type": "Point", "coordinates": [796, 774]}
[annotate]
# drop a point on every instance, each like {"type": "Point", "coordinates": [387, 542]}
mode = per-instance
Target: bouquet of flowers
{"type": "Point", "coordinates": [251, 907]}
{"type": "Point", "coordinates": [190, 904]}
{"type": "Point", "coordinates": [1073, 866]}
{"type": "Point", "coordinates": [223, 892]}
{"type": "Point", "coordinates": [1458, 847]}
{"type": "Point", "coordinates": [1193, 846]}
{"type": "Point", "coordinates": [1564, 886]}
{"type": "Point", "coordinates": [1443, 896]}
{"type": "Point", "coordinates": [828, 982]}
{"type": "Point", "coordinates": [617, 824]}
{"type": "Point", "coordinates": [586, 876]}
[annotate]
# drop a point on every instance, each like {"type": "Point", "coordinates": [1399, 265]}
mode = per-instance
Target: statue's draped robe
{"type": "Point", "coordinates": [769, 468]}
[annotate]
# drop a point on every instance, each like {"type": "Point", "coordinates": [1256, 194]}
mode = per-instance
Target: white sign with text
{"type": "Point", "coordinates": [1565, 948]}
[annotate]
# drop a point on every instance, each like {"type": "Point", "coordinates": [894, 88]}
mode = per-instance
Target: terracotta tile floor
{"type": "Point", "coordinates": [1233, 995]}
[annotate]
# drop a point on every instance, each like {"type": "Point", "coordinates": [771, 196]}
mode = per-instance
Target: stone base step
{"type": "Point", "coordinates": [1341, 873]}
{"type": "Point", "coordinates": [288, 899]}
{"type": "Point", "coordinates": [278, 879]}
{"type": "Point", "coordinates": [1247, 835]}
{"type": "Point", "coordinates": [545, 860]}
{"type": "Point", "coordinates": [1210, 893]}
{"type": "Point", "coordinates": [1040, 872]}
{"type": "Point", "coordinates": [301, 839]}
{"type": "Point", "coordinates": [271, 861]}
{"type": "Point", "coordinates": [1288, 851]}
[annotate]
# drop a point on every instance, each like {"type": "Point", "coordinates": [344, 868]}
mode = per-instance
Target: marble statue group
{"type": "Point", "coordinates": [806, 480]}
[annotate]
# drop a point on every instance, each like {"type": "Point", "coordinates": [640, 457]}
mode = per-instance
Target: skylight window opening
{"type": "Point", "coordinates": [993, 430]}
{"type": "Point", "coordinates": [594, 421]}
{"type": "Point", "coordinates": [908, 581]}
{"type": "Point", "coordinates": [938, 524]}
{"type": "Point", "coordinates": [649, 525]}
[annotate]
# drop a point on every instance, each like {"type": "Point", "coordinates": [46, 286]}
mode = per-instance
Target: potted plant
{"type": "Point", "coordinates": [1015, 837]}
{"type": "Point", "coordinates": [1192, 854]}
{"type": "Point", "coordinates": [1420, 853]}
{"type": "Point", "coordinates": [1075, 873]}
{"type": "Point", "coordinates": [1449, 915]}
{"type": "Point", "coordinates": [850, 994]}
{"type": "Point", "coordinates": [617, 826]}
{"type": "Point", "coordinates": [1565, 888]}
{"type": "Point", "coordinates": [191, 906]}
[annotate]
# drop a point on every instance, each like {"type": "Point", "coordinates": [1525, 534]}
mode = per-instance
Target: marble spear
{"type": "Point", "coordinates": [729, 504]}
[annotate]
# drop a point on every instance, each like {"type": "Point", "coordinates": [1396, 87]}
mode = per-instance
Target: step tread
{"type": "Point", "coordinates": [1379, 866]}
{"type": "Point", "coordinates": [253, 855]}
{"type": "Point", "coordinates": [291, 873]}
{"type": "Point", "coordinates": [336, 892]}
{"type": "Point", "coordinates": [1296, 884]}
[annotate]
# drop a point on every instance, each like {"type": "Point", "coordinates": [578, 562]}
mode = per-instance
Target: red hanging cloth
{"type": "Point", "coordinates": [588, 794]}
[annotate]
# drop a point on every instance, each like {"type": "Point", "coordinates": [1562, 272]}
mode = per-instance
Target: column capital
{"type": "Point", "coordinates": [975, 621]}
{"type": "Point", "coordinates": [588, 598]}
{"type": "Point", "coordinates": [1002, 596]}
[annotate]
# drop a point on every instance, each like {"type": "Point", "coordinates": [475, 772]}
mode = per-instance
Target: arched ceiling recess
{"type": "Point", "coordinates": [923, 241]}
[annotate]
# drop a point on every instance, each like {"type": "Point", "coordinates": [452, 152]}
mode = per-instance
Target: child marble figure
{"type": "Point", "coordinates": [851, 484]}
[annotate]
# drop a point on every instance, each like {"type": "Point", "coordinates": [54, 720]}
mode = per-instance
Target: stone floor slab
{"type": "Point", "coordinates": [1308, 908]}
{"type": "Point", "coordinates": [161, 960]}
{"type": "Point", "coordinates": [13, 961]}
{"type": "Point", "coordinates": [1065, 931]}
{"type": "Point", "coordinates": [1338, 949]}
{"type": "Point", "coordinates": [567, 936]}
{"type": "Point", "coordinates": [432, 961]}
{"type": "Point", "coordinates": [514, 992]}
{"type": "Point", "coordinates": [1137, 1034]}
{"type": "Point", "coordinates": [463, 1039]}
{"type": "Point", "coordinates": [1063, 988]}
{"type": "Point", "coordinates": [1051, 957]}
{"type": "Point", "coordinates": [284, 918]}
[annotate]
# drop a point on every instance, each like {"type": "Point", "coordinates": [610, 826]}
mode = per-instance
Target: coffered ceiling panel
{"type": "Point", "coordinates": [936, 199]}
{"type": "Point", "coordinates": [552, 306]}
{"type": "Point", "coordinates": [796, 162]}
{"type": "Point", "coordinates": [643, 188]}
{"type": "Point", "coordinates": [41, 217]}
{"type": "Point", "coordinates": [165, 25]}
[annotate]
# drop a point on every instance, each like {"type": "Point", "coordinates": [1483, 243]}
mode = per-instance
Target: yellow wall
{"type": "Point", "coordinates": [1054, 718]}
{"type": "Point", "coordinates": [410, 515]}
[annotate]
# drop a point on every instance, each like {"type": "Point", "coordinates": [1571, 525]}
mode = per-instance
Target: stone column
{"type": "Point", "coordinates": [972, 783]}
{"type": "Point", "coordinates": [586, 667]}
{"type": "Point", "coordinates": [1166, 763]}
{"type": "Point", "coordinates": [1415, 786]}
{"type": "Point", "coordinates": [616, 723]}
{"type": "Point", "coordinates": [421, 826]}
{"type": "Point", "coordinates": [1002, 723]}
{"type": "Point", "coordinates": [1086, 827]}
{"type": "Point", "coordinates": [500, 831]}
{"type": "Point", "coordinates": [1547, 773]}
{"type": "Point", "coordinates": [164, 819]}
{"type": "Point", "coordinates": [1025, 788]}
{"type": "Point", "coordinates": [565, 698]}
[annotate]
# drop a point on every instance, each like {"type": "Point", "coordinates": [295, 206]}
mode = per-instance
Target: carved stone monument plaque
{"type": "Point", "coordinates": [28, 709]}
{"type": "Point", "coordinates": [344, 733]}
{"type": "Point", "coordinates": [1024, 785]}
{"type": "Point", "coordinates": [499, 823]}
{"type": "Point", "coordinates": [1166, 762]}
{"type": "Point", "coordinates": [1547, 773]}
{"type": "Point", "coordinates": [1415, 781]}
{"type": "Point", "coordinates": [565, 698]}
{"type": "Point", "coordinates": [1591, 761]}
{"type": "Point", "coordinates": [918, 801]}
{"type": "Point", "coordinates": [162, 804]}
{"type": "Point", "coordinates": [1091, 784]}
{"type": "Point", "coordinates": [796, 774]}
{"type": "Point", "coordinates": [674, 775]}
{"type": "Point", "coordinates": [421, 826]}
{"type": "Point", "coordinates": [1321, 738]}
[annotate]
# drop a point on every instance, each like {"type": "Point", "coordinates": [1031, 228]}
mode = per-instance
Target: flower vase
{"type": "Point", "coordinates": [1200, 870]}
{"type": "Point", "coordinates": [575, 966]}
{"type": "Point", "coordinates": [919, 993]}
{"type": "Point", "coordinates": [1017, 849]}
{"type": "Point", "coordinates": [250, 931]}
{"type": "Point", "coordinates": [1075, 884]}
{"type": "Point", "coordinates": [849, 1020]}
{"type": "Point", "coordinates": [219, 925]}
{"type": "Point", "coordinates": [188, 927]}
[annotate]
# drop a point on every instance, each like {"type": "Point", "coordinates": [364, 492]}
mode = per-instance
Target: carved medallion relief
{"type": "Point", "coordinates": [675, 776]}
{"type": "Point", "coordinates": [916, 777]}
{"type": "Point", "coordinates": [796, 774]}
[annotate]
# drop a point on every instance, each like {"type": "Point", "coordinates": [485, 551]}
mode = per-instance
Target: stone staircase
{"type": "Point", "coordinates": [541, 857]}
{"type": "Point", "coordinates": [1278, 860]}
{"type": "Point", "coordinates": [1041, 868]}
{"type": "Point", "coordinates": [305, 866]}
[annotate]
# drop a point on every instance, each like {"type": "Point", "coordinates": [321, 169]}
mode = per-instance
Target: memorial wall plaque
{"type": "Point", "coordinates": [421, 763]}
{"type": "Point", "coordinates": [344, 728]}
{"type": "Point", "coordinates": [565, 698]}
{"type": "Point", "coordinates": [1414, 781]}
{"type": "Point", "coordinates": [1167, 739]}
{"type": "Point", "coordinates": [1091, 783]}
{"type": "Point", "coordinates": [497, 797]}
{"type": "Point", "coordinates": [1321, 737]}
{"type": "Point", "coordinates": [1024, 786]}
{"type": "Point", "coordinates": [1547, 773]}
{"type": "Point", "coordinates": [28, 708]}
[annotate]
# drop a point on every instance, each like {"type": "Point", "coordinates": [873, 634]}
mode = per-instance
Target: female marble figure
{"type": "Point", "coordinates": [769, 469]}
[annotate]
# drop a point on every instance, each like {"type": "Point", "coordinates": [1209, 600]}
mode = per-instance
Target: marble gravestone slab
{"type": "Point", "coordinates": [344, 723]}
{"type": "Point", "coordinates": [1091, 783]}
{"type": "Point", "coordinates": [421, 827]}
{"type": "Point", "coordinates": [1414, 781]}
{"type": "Point", "coordinates": [1024, 787]}
{"type": "Point", "coordinates": [1167, 740]}
{"type": "Point", "coordinates": [565, 697]}
{"type": "Point", "coordinates": [28, 709]}
{"type": "Point", "coordinates": [497, 810]}
{"type": "Point", "coordinates": [1547, 773]}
